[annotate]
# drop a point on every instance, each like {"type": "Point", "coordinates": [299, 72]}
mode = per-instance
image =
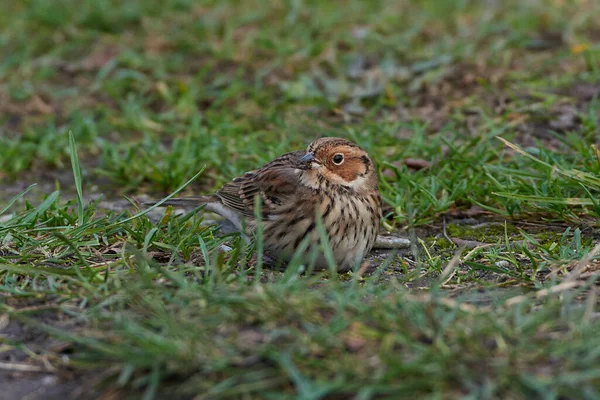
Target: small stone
{"type": "Point", "coordinates": [391, 242]}
{"type": "Point", "coordinates": [224, 248]}
{"type": "Point", "coordinates": [49, 380]}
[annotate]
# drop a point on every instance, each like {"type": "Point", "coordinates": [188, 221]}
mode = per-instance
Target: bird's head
{"type": "Point", "coordinates": [338, 162]}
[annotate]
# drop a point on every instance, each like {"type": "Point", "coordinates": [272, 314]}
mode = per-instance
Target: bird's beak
{"type": "Point", "coordinates": [310, 160]}
{"type": "Point", "coordinates": [310, 156]}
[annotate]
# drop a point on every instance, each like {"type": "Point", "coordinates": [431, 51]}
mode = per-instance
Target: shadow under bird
{"type": "Point", "coordinates": [333, 178]}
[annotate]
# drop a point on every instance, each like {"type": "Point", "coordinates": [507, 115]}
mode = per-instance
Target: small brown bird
{"type": "Point", "coordinates": [333, 177]}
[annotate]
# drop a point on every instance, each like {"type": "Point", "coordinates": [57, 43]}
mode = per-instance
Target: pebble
{"type": "Point", "coordinates": [391, 242]}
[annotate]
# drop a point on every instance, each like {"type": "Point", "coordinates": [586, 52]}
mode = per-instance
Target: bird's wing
{"type": "Point", "coordinates": [275, 184]}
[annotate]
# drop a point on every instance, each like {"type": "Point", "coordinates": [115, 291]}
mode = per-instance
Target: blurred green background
{"type": "Point", "coordinates": [154, 90]}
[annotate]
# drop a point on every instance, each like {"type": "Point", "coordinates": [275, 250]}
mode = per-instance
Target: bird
{"type": "Point", "coordinates": [333, 179]}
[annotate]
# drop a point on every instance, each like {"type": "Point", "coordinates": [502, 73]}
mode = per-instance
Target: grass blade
{"type": "Point", "coordinates": [17, 197]}
{"type": "Point", "coordinates": [77, 178]}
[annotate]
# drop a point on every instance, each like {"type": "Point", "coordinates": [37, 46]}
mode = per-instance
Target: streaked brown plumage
{"type": "Point", "coordinates": [333, 177]}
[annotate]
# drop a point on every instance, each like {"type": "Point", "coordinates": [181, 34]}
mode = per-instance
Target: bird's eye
{"type": "Point", "coordinates": [338, 159]}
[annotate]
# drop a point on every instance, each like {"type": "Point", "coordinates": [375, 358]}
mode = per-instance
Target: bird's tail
{"type": "Point", "coordinates": [184, 201]}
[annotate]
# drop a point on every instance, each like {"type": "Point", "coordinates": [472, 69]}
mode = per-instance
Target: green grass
{"type": "Point", "coordinates": [497, 298]}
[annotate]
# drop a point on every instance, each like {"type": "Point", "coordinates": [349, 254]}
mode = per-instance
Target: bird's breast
{"type": "Point", "coordinates": [351, 224]}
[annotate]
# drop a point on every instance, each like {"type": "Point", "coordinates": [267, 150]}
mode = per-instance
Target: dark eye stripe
{"type": "Point", "coordinates": [367, 163]}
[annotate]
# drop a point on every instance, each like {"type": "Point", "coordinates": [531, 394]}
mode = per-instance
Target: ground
{"type": "Point", "coordinates": [482, 118]}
